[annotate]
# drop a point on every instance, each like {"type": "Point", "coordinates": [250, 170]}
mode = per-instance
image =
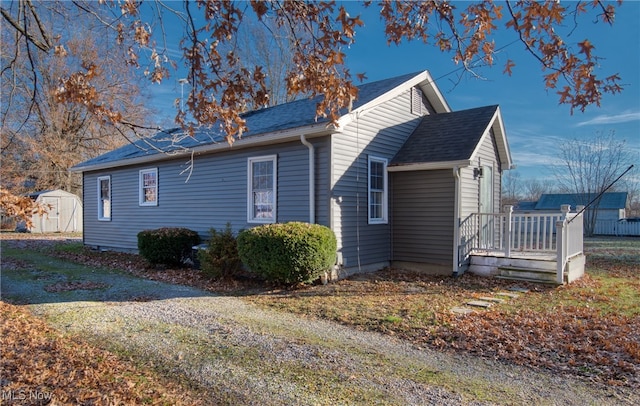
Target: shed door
{"type": "Point", "coordinates": [67, 214]}
{"type": "Point", "coordinates": [51, 221]}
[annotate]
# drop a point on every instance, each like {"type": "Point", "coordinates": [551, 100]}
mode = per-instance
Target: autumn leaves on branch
{"type": "Point", "coordinates": [222, 85]}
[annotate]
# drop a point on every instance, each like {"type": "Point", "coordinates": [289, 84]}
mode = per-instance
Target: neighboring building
{"type": "Point", "coordinates": [610, 206]}
{"type": "Point", "coordinates": [392, 180]}
{"type": "Point", "coordinates": [601, 216]}
{"type": "Point", "coordinates": [64, 214]}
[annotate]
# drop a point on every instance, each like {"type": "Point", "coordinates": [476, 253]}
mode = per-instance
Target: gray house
{"type": "Point", "coordinates": [392, 179]}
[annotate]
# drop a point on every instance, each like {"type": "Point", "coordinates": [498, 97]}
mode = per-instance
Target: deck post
{"type": "Point", "coordinates": [561, 251]}
{"type": "Point", "coordinates": [561, 243]}
{"type": "Point", "coordinates": [509, 230]}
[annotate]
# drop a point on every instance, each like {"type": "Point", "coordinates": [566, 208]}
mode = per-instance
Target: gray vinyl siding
{"type": "Point", "coordinates": [423, 216]}
{"type": "Point", "coordinates": [379, 132]}
{"type": "Point", "coordinates": [216, 193]}
{"type": "Point", "coordinates": [487, 154]}
{"type": "Point", "coordinates": [323, 179]}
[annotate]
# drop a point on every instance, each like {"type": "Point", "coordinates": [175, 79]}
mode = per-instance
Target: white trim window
{"type": "Point", "coordinates": [262, 177]}
{"type": "Point", "coordinates": [104, 198]}
{"type": "Point", "coordinates": [377, 186]}
{"type": "Point", "coordinates": [148, 190]}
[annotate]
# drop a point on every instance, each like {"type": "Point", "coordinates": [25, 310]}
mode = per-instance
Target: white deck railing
{"type": "Point", "coordinates": [509, 233]}
{"type": "Point", "coordinates": [570, 229]}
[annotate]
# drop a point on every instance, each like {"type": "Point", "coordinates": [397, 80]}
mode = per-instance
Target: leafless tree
{"type": "Point", "coordinates": [511, 188]}
{"type": "Point", "coordinates": [271, 46]}
{"type": "Point", "coordinates": [587, 167]}
{"type": "Point", "coordinates": [43, 137]}
{"type": "Point", "coordinates": [532, 189]}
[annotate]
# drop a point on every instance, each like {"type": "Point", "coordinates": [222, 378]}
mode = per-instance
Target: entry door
{"type": "Point", "coordinates": [486, 190]}
{"type": "Point", "coordinates": [486, 206]}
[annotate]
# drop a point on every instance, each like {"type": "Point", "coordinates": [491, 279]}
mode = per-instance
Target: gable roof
{"type": "Point", "coordinates": [268, 125]}
{"type": "Point", "coordinates": [452, 139]}
{"type": "Point", "coordinates": [608, 201]}
{"type": "Point", "coordinates": [51, 193]}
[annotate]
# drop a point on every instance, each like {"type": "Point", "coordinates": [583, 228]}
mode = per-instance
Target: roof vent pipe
{"type": "Point", "coordinates": [312, 179]}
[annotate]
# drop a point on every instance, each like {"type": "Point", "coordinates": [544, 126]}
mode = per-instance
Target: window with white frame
{"type": "Point", "coordinates": [104, 198]}
{"type": "Point", "coordinates": [148, 194]}
{"type": "Point", "coordinates": [377, 190]}
{"type": "Point", "coordinates": [261, 189]}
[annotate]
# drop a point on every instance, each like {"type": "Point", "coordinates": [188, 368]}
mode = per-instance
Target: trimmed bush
{"type": "Point", "coordinates": [288, 252]}
{"type": "Point", "coordinates": [168, 245]}
{"type": "Point", "coordinates": [220, 259]}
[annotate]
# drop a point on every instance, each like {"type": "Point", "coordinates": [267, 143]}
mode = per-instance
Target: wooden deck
{"type": "Point", "coordinates": [546, 248]}
{"type": "Point", "coordinates": [536, 255]}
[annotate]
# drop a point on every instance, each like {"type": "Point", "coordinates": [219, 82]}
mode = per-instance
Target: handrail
{"type": "Point", "coordinates": [508, 232]}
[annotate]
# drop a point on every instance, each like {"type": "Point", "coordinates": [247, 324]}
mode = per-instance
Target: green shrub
{"type": "Point", "coordinates": [168, 245]}
{"type": "Point", "coordinates": [288, 253]}
{"type": "Point", "coordinates": [220, 259]}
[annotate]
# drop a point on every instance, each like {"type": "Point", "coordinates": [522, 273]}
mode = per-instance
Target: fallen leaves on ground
{"type": "Point", "coordinates": [75, 285]}
{"type": "Point", "coordinates": [40, 366]}
{"type": "Point", "coordinates": [572, 339]}
{"type": "Point", "coordinates": [584, 328]}
{"type": "Point", "coordinates": [533, 331]}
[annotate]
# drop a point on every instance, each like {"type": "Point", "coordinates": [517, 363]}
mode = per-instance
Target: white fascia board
{"type": "Point", "coordinates": [503, 146]}
{"type": "Point", "coordinates": [311, 131]}
{"type": "Point", "coordinates": [427, 84]}
{"type": "Point", "coordinates": [434, 95]}
{"type": "Point", "coordinates": [429, 166]}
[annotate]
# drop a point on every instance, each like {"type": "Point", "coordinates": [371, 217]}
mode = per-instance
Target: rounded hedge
{"type": "Point", "coordinates": [220, 258]}
{"type": "Point", "coordinates": [168, 245]}
{"type": "Point", "coordinates": [288, 253]}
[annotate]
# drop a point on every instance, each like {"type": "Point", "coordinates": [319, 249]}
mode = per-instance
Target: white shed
{"type": "Point", "coordinates": [63, 216]}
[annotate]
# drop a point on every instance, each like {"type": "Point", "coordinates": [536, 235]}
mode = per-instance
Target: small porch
{"type": "Point", "coordinates": [540, 247]}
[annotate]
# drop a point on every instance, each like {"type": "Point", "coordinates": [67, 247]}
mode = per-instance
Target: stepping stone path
{"type": "Point", "coordinates": [478, 303]}
{"type": "Point", "coordinates": [484, 302]}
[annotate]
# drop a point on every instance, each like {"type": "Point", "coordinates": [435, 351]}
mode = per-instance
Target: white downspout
{"type": "Point", "coordinates": [312, 179]}
{"type": "Point", "coordinates": [456, 220]}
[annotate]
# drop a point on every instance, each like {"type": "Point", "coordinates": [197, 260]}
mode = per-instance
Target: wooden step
{"type": "Point", "coordinates": [527, 275]}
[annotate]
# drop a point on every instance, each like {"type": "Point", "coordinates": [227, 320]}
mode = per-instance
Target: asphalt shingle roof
{"type": "Point", "coordinates": [445, 137]}
{"type": "Point", "coordinates": [295, 114]}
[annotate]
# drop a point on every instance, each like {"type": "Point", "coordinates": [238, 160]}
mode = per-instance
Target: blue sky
{"type": "Point", "coordinates": [535, 123]}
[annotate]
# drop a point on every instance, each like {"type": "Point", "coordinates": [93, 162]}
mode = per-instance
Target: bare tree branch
{"type": "Point", "coordinates": [43, 46]}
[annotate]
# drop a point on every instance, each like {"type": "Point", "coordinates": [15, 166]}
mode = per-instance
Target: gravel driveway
{"type": "Point", "coordinates": [241, 354]}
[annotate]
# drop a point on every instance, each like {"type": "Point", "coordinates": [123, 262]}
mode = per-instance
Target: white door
{"type": "Point", "coordinates": [486, 206]}
{"type": "Point", "coordinates": [486, 190]}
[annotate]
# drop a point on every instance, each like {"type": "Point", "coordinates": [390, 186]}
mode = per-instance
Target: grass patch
{"type": "Point", "coordinates": [589, 328]}
{"type": "Point", "coordinates": [600, 313]}
{"type": "Point", "coordinates": [70, 247]}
